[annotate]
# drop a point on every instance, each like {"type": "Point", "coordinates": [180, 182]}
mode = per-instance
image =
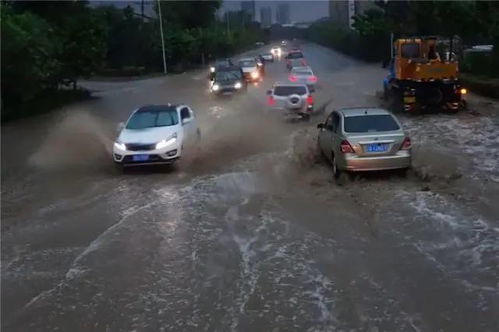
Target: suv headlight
{"type": "Point", "coordinates": [238, 85]}
{"type": "Point", "coordinates": [215, 87]}
{"type": "Point", "coordinates": [254, 74]}
{"type": "Point", "coordinates": [212, 69]}
{"type": "Point", "coordinates": [120, 146]}
{"type": "Point", "coordinates": [166, 142]}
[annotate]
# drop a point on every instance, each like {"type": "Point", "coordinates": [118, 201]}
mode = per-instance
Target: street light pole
{"type": "Point", "coordinates": [162, 36]}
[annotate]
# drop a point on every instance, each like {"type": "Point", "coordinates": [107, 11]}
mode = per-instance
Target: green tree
{"type": "Point", "coordinates": [189, 14]}
{"type": "Point", "coordinates": [82, 35]}
{"type": "Point", "coordinates": [29, 57]}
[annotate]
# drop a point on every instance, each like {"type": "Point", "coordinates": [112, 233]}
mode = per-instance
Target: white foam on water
{"type": "Point", "coordinates": [476, 136]}
{"type": "Point", "coordinates": [455, 237]}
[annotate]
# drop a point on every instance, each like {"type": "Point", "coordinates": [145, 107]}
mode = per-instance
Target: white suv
{"type": "Point", "coordinates": [292, 98]}
{"type": "Point", "coordinates": [155, 135]}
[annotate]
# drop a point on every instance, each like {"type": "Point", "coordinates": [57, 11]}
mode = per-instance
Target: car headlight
{"type": "Point", "coordinates": [212, 69]}
{"type": "Point", "coordinates": [238, 85]}
{"type": "Point", "coordinates": [120, 146]}
{"type": "Point", "coordinates": [166, 142]}
{"type": "Point", "coordinates": [254, 74]}
{"type": "Point", "coordinates": [215, 87]}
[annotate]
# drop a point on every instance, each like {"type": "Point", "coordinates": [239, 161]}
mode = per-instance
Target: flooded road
{"type": "Point", "coordinates": [252, 233]}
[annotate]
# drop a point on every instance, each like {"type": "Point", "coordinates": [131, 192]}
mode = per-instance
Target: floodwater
{"type": "Point", "coordinates": [251, 233]}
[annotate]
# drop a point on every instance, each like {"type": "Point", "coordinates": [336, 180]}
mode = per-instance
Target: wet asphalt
{"type": "Point", "coordinates": [250, 233]}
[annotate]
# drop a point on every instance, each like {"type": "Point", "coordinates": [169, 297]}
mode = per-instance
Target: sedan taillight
{"type": "Point", "coordinates": [406, 144]}
{"type": "Point", "coordinates": [345, 147]}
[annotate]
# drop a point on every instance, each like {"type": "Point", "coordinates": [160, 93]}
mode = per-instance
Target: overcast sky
{"type": "Point", "coordinates": [300, 10]}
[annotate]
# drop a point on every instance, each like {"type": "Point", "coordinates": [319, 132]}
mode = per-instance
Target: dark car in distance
{"type": "Point", "coordinates": [220, 63]}
{"type": "Point", "coordinates": [228, 80]}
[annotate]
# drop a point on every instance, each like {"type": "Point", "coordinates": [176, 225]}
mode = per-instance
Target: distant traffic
{"type": "Point", "coordinates": [352, 140]}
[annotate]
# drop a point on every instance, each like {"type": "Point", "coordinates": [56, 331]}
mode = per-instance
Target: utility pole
{"type": "Point", "coordinates": [228, 23]}
{"type": "Point", "coordinates": [391, 45]}
{"type": "Point", "coordinates": [162, 36]}
{"type": "Point", "coordinates": [142, 10]}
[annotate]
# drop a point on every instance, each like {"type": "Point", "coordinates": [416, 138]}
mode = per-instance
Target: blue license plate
{"type": "Point", "coordinates": [140, 157]}
{"type": "Point", "coordinates": [377, 147]}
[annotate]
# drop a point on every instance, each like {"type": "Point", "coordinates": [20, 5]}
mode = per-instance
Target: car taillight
{"type": "Point", "coordinates": [271, 101]}
{"type": "Point", "coordinates": [313, 78]}
{"type": "Point", "coordinates": [406, 144]}
{"type": "Point", "coordinates": [310, 100]}
{"type": "Point", "coordinates": [345, 147]}
{"type": "Point", "coordinates": [293, 78]}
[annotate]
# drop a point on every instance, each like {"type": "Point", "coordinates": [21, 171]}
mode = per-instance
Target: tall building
{"type": "Point", "coordinates": [343, 11]}
{"type": "Point", "coordinates": [266, 16]}
{"type": "Point", "coordinates": [249, 7]}
{"type": "Point", "coordinates": [282, 14]}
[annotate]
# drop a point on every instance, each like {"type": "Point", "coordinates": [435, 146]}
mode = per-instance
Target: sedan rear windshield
{"type": "Point", "coordinates": [370, 123]}
{"type": "Point", "coordinates": [289, 90]}
{"type": "Point", "coordinates": [302, 72]}
{"type": "Point", "coordinates": [247, 63]}
{"type": "Point", "coordinates": [295, 55]}
{"type": "Point", "coordinates": [153, 118]}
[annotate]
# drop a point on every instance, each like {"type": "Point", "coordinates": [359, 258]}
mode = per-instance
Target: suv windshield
{"type": "Point", "coordinates": [247, 63]}
{"type": "Point", "coordinates": [228, 75]}
{"type": "Point", "coordinates": [153, 118]}
{"type": "Point", "coordinates": [295, 55]}
{"type": "Point", "coordinates": [367, 123]}
{"type": "Point", "coordinates": [289, 90]}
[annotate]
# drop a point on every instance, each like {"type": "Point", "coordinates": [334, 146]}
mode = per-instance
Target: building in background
{"type": "Point", "coordinates": [343, 11]}
{"type": "Point", "coordinates": [249, 7]}
{"type": "Point", "coordinates": [266, 16]}
{"type": "Point", "coordinates": [282, 14]}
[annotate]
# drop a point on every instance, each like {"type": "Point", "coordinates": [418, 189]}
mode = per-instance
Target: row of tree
{"type": "Point", "coordinates": [475, 22]}
{"type": "Point", "coordinates": [47, 45]}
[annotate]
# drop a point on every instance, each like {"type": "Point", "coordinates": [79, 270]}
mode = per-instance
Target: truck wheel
{"type": "Point", "coordinates": [385, 93]}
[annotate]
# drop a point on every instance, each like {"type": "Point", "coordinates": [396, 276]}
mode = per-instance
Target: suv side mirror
{"type": "Point", "coordinates": [186, 120]}
{"type": "Point", "coordinates": [320, 126]}
{"type": "Point", "coordinates": [269, 92]}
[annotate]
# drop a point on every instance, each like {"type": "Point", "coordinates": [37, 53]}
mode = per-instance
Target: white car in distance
{"type": "Point", "coordinates": [250, 69]}
{"type": "Point", "coordinates": [303, 75]}
{"type": "Point", "coordinates": [155, 134]}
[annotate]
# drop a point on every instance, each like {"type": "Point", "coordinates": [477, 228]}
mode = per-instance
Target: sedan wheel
{"type": "Point", "coordinates": [336, 171]}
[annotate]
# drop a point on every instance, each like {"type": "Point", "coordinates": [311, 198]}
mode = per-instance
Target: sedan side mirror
{"type": "Point", "coordinates": [320, 126]}
{"type": "Point", "coordinates": [269, 92]}
{"type": "Point", "coordinates": [120, 126]}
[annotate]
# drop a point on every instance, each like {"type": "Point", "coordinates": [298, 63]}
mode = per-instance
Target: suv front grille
{"type": "Point", "coordinates": [140, 147]}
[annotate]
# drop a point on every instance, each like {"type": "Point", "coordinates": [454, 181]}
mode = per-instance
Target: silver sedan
{"type": "Point", "coordinates": [303, 75]}
{"type": "Point", "coordinates": [364, 139]}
